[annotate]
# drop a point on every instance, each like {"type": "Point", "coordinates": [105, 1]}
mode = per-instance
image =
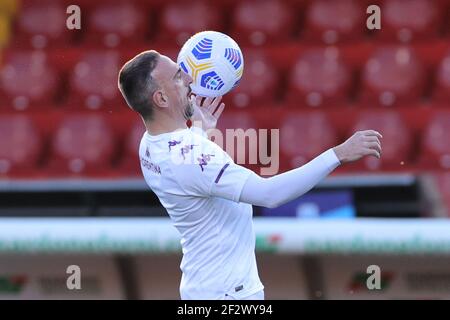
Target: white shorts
{"type": "Point", "coordinates": [256, 296]}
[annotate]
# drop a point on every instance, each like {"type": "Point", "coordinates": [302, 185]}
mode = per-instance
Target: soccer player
{"type": "Point", "coordinates": [208, 197]}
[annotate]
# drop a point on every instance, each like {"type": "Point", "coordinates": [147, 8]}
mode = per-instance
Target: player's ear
{"type": "Point", "coordinates": [160, 98]}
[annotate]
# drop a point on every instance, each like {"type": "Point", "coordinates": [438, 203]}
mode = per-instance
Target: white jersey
{"type": "Point", "coordinates": [200, 186]}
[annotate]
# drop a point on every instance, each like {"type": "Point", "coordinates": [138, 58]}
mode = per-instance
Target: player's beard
{"type": "Point", "coordinates": [188, 110]}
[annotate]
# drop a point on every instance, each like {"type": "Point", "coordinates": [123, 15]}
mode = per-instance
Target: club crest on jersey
{"type": "Point", "coordinates": [204, 159]}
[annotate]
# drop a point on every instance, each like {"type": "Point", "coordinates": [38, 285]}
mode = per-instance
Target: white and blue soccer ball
{"type": "Point", "coordinates": [214, 61]}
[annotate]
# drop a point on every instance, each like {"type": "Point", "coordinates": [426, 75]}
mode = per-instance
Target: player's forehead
{"type": "Point", "coordinates": [165, 68]}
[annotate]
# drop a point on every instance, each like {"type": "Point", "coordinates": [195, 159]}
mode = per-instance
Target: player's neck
{"type": "Point", "coordinates": [162, 124]}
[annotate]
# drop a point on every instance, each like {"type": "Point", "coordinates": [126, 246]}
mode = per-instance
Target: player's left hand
{"type": "Point", "coordinates": [206, 111]}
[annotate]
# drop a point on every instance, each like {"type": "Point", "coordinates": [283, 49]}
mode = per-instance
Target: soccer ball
{"type": "Point", "coordinates": [214, 61]}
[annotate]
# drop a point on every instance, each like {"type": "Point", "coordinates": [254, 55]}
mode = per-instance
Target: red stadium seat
{"type": "Point", "coordinates": [442, 83]}
{"type": "Point", "coordinates": [27, 79]}
{"type": "Point", "coordinates": [180, 20]}
{"type": "Point", "coordinates": [41, 24]}
{"type": "Point", "coordinates": [392, 76]}
{"type": "Point", "coordinates": [130, 162]}
{"type": "Point", "coordinates": [117, 23]}
{"type": "Point", "coordinates": [82, 144]}
{"type": "Point", "coordinates": [435, 142]}
{"type": "Point", "coordinates": [396, 141]}
{"type": "Point", "coordinates": [237, 125]}
{"type": "Point", "coordinates": [303, 136]}
{"type": "Point", "coordinates": [260, 22]}
{"type": "Point", "coordinates": [319, 78]}
{"type": "Point", "coordinates": [335, 21]}
{"type": "Point", "coordinates": [20, 145]}
{"type": "Point", "coordinates": [94, 81]}
{"type": "Point", "coordinates": [259, 81]}
{"type": "Point", "coordinates": [408, 20]}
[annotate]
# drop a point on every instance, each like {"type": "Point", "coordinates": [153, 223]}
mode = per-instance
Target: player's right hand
{"type": "Point", "coordinates": [360, 144]}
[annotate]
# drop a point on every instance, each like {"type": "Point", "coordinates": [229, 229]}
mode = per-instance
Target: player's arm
{"type": "Point", "coordinates": [280, 189]}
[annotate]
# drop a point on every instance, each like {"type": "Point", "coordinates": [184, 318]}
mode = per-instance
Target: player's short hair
{"type": "Point", "coordinates": [137, 84]}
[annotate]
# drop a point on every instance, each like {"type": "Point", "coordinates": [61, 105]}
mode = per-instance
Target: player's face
{"type": "Point", "coordinates": [176, 86]}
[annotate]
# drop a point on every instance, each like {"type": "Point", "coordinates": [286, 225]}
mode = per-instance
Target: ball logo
{"type": "Point", "coordinates": [211, 81]}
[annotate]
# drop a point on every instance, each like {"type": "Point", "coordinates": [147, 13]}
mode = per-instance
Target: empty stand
{"type": "Point", "coordinates": [303, 136]}
{"type": "Point", "coordinates": [298, 55]}
{"type": "Point", "coordinates": [396, 141]}
{"type": "Point", "coordinates": [435, 142]}
{"type": "Point", "coordinates": [335, 21]}
{"type": "Point", "coordinates": [27, 79]}
{"type": "Point", "coordinates": [409, 20]}
{"type": "Point", "coordinates": [393, 76]}
{"type": "Point", "coordinates": [319, 78]}
{"type": "Point", "coordinates": [442, 83]}
{"type": "Point", "coordinates": [42, 24]}
{"type": "Point", "coordinates": [180, 20]}
{"type": "Point", "coordinates": [93, 82]}
{"type": "Point", "coordinates": [82, 144]}
{"type": "Point", "coordinates": [262, 22]}
{"type": "Point", "coordinates": [239, 137]}
{"type": "Point", "coordinates": [21, 145]}
{"type": "Point", "coordinates": [259, 83]}
{"type": "Point", "coordinates": [116, 23]}
{"type": "Point", "coordinates": [130, 161]}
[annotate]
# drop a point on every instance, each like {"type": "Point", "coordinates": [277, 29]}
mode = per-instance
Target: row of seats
{"type": "Point", "coordinates": [391, 76]}
{"type": "Point", "coordinates": [96, 145]}
{"type": "Point", "coordinates": [250, 22]}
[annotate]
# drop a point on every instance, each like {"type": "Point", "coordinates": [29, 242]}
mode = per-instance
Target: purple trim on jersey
{"type": "Point", "coordinates": [221, 172]}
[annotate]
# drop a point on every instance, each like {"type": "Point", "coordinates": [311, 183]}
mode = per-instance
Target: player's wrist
{"type": "Point", "coordinates": [339, 151]}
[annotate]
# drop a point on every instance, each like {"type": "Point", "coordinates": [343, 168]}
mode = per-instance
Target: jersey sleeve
{"type": "Point", "coordinates": [201, 168]}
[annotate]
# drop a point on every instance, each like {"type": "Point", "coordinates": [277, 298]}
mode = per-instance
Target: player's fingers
{"type": "Point", "coordinates": [193, 101]}
{"type": "Point", "coordinates": [217, 100]}
{"type": "Point", "coordinates": [372, 133]}
{"type": "Point", "coordinates": [372, 152]}
{"type": "Point", "coordinates": [219, 110]}
{"type": "Point", "coordinates": [207, 102]}
{"type": "Point", "coordinates": [373, 145]}
{"type": "Point", "coordinates": [214, 104]}
{"type": "Point", "coordinates": [198, 100]}
{"type": "Point", "coordinates": [372, 139]}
